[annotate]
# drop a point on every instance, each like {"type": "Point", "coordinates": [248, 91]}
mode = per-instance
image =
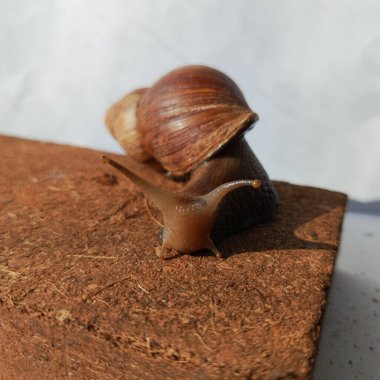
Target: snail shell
{"type": "Point", "coordinates": [184, 118]}
{"type": "Point", "coordinates": [121, 122]}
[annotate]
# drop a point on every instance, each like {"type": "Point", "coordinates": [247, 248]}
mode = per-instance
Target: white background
{"type": "Point", "coordinates": [311, 70]}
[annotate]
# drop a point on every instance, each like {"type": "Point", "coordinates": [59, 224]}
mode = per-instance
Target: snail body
{"type": "Point", "coordinates": [192, 122]}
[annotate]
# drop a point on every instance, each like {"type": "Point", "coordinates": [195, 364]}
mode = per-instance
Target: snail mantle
{"type": "Point", "coordinates": [82, 294]}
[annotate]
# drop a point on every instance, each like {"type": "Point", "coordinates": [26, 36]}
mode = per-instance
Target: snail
{"type": "Point", "coordinates": [192, 122]}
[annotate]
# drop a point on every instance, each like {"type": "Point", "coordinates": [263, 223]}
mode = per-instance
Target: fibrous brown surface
{"type": "Point", "coordinates": [83, 295]}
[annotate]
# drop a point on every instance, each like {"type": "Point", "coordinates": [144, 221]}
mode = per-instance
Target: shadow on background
{"type": "Point", "coordinates": [351, 330]}
{"type": "Point", "coordinates": [372, 207]}
{"type": "Point", "coordinates": [290, 229]}
{"type": "Point", "coordinates": [305, 219]}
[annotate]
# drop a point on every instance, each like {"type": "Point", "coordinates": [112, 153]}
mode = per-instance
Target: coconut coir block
{"type": "Point", "coordinates": [83, 295]}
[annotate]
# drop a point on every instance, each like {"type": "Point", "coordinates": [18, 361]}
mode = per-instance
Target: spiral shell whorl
{"type": "Point", "coordinates": [189, 114]}
{"type": "Point", "coordinates": [121, 121]}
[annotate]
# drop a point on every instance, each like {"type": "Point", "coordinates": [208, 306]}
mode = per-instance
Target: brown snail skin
{"type": "Point", "coordinates": [228, 189]}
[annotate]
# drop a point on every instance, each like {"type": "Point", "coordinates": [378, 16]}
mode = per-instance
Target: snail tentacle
{"type": "Point", "coordinates": [213, 249]}
{"type": "Point", "coordinates": [160, 197]}
{"type": "Point", "coordinates": [214, 197]}
{"type": "Point", "coordinates": [148, 209]}
{"type": "Point", "coordinates": [162, 250]}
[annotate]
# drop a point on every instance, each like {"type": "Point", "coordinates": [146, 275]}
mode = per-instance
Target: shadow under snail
{"type": "Point", "coordinates": [192, 123]}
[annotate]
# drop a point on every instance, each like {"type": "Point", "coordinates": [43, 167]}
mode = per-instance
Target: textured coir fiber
{"type": "Point", "coordinates": [83, 295]}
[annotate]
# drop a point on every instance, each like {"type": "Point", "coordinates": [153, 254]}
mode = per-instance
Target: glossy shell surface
{"type": "Point", "coordinates": [121, 122]}
{"type": "Point", "coordinates": [189, 114]}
